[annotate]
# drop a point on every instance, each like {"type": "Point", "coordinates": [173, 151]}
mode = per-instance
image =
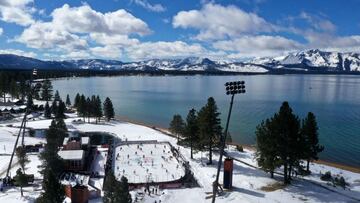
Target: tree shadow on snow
{"type": "Point", "coordinates": [318, 193]}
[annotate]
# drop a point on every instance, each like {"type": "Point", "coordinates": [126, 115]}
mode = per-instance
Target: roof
{"type": "Point", "coordinates": [84, 140]}
{"type": "Point", "coordinates": [71, 154]}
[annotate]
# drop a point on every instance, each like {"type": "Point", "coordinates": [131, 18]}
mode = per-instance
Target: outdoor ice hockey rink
{"type": "Point", "coordinates": [147, 163]}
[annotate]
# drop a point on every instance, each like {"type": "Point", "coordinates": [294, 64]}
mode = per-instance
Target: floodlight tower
{"type": "Point", "coordinates": [232, 88]}
{"type": "Point", "coordinates": [23, 122]}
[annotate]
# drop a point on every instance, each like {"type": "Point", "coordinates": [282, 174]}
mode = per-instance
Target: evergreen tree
{"type": "Point", "coordinates": [280, 141]}
{"type": "Point", "coordinates": [209, 126]}
{"type": "Point", "coordinates": [177, 126]}
{"type": "Point", "coordinates": [53, 190]}
{"type": "Point", "coordinates": [77, 101]}
{"type": "Point", "coordinates": [124, 194]}
{"type": "Point", "coordinates": [81, 109]}
{"type": "Point", "coordinates": [88, 108]}
{"type": "Point", "coordinates": [46, 93]}
{"type": "Point", "coordinates": [54, 138]}
{"type": "Point", "coordinates": [47, 110]}
{"type": "Point", "coordinates": [311, 136]}
{"type": "Point", "coordinates": [21, 180]}
{"type": "Point", "coordinates": [68, 102]}
{"type": "Point", "coordinates": [22, 157]}
{"type": "Point", "coordinates": [108, 109]}
{"type": "Point", "coordinates": [115, 191]}
{"type": "Point", "coordinates": [60, 110]}
{"type": "Point", "coordinates": [266, 154]}
{"type": "Point", "coordinates": [54, 107]}
{"type": "Point", "coordinates": [191, 137]}
{"type": "Point", "coordinates": [14, 90]}
{"type": "Point", "coordinates": [98, 109]}
{"type": "Point", "coordinates": [57, 96]}
{"type": "Point", "coordinates": [36, 91]}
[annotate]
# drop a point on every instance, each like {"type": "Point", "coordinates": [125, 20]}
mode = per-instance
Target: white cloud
{"type": "Point", "coordinates": [46, 36]}
{"type": "Point", "coordinates": [118, 40]}
{"type": "Point", "coordinates": [72, 27]}
{"type": "Point", "coordinates": [332, 42]}
{"type": "Point", "coordinates": [18, 52]}
{"type": "Point", "coordinates": [318, 23]}
{"type": "Point", "coordinates": [161, 49]}
{"type": "Point", "coordinates": [218, 22]}
{"type": "Point", "coordinates": [107, 52]}
{"type": "Point", "coordinates": [253, 46]}
{"type": "Point", "coordinates": [1, 31]}
{"type": "Point", "coordinates": [148, 6]}
{"type": "Point", "coordinates": [17, 11]}
{"type": "Point", "coordinates": [84, 19]}
{"type": "Point", "coordinates": [75, 55]}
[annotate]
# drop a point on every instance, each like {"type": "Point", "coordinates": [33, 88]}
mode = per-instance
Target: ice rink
{"type": "Point", "coordinates": [143, 163]}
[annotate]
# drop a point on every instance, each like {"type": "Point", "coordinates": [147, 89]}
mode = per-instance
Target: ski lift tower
{"type": "Point", "coordinates": [23, 123]}
{"type": "Point", "coordinates": [232, 88]}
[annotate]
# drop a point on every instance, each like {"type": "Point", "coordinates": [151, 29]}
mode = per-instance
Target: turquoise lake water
{"type": "Point", "coordinates": [335, 100]}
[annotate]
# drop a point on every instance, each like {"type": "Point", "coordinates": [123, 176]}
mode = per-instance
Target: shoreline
{"type": "Point", "coordinates": [246, 146]}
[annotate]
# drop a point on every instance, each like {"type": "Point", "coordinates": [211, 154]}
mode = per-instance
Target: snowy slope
{"type": "Point", "coordinates": [247, 181]}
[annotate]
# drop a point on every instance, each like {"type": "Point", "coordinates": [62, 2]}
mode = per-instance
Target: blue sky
{"type": "Point", "coordinates": [132, 30]}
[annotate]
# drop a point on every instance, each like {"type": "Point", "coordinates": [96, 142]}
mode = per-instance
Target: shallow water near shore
{"type": "Point", "coordinates": [335, 100]}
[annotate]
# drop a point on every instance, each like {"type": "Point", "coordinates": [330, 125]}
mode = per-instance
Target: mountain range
{"type": "Point", "coordinates": [305, 61]}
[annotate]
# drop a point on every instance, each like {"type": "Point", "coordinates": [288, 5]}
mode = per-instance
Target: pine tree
{"type": "Point", "coordinates": [54, 138]}
{"type": "Point", "coordinates": [88, 108]}
{"type": "Point", "coordinates": [177, 126]}
{"type": "Point", "coordinates": [54, 107]}
{"type": "Point", "coordinates": [68, 102]}
{"type": "Point", "coordinates": [14, 90]}
{"type": "Point", "coordinates": [36, 91]}
{"type": "Point", "coordinates": [191, 131]}
{"type": "Point", "coordinates": [108, 109]}
{"type": "Point", "coordinates": [279, 141]}
{"type": "Point", "coordinates": [98, 109]}
{"type": "Point", "coordinates": [22, 157]}
{"type": "Point", "coordinates": [57, 96]}
{"type": "Point", "coordinates": [46, 93]}
{"type": "Point", "coordinates": [209, 126]}
{"type": "Point", "coordinates": [310, 133]}
{"type": "Point", "coordinates": [53, 190]}
{"type": "Point", "coordinates": [81, 106]}
{"type": "Point", "coordinates": [47, 110]}
{"type": "Point", "coordinates": [266, 154]}
{"type": "Point", "coordinates": [124, 195]}
{"type": "Point", "coordinates": [21, 180]}
{"type": "Point", "coordinates": [116, 191]}
{"type": "Point", "coordinates": [60, 110]}
{"type": "Point", "coordinates": [77, 101]}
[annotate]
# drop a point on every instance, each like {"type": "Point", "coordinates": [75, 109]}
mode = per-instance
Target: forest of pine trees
{"type": "Point", "coordinates": [283, 140]}
{"type": "Point", "coordinates": [88, 107]}
{"type": "Point", "coordinates": [202, 130]}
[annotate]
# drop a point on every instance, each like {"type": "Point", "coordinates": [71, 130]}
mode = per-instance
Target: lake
{"type": "Point", "coordinates": [334, 99]}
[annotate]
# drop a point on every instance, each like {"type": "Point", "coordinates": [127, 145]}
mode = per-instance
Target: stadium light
{"type": "Point", "coordinates": [232, 88]}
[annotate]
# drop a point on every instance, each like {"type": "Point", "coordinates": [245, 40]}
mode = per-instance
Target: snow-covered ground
{"type": "Point", "coordinates": [247, 181]}
{"type": "Point", "coordinates": [142, 163]}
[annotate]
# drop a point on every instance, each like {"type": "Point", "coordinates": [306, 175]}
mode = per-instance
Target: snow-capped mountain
{"type": "Point", "coordinates": [310, 61]}
{"type": "Point", "coordinates": [314, 60]}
